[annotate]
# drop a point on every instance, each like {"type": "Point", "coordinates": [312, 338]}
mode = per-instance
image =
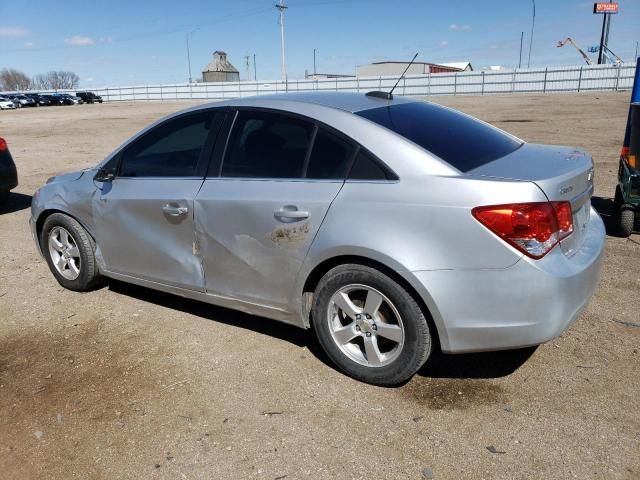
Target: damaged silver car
{"type": "Point", "coordinates": [391, 226]}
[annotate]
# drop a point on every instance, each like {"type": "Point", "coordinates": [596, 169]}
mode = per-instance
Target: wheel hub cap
{"type": "Point", "coordinates": [64, 253]}
{"type": "Point", "coordinates": [365, 325]}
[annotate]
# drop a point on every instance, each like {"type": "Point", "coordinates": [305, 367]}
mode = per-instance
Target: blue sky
{"type": "Point", "coordinates": [134, 42]}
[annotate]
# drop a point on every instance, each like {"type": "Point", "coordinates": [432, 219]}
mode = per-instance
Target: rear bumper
{"type": "Point", "coordinates": [526, 304]}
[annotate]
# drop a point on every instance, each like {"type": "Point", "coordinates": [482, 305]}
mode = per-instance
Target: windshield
{"type": "Point", "coordinates": [460, 140]}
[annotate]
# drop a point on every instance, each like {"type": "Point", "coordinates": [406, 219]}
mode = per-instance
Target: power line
{"type": "Point", "coordinates": [150, 34]}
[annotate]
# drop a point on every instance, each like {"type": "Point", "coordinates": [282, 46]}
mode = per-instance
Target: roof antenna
{"type": "Point", "coordinates": [389, 95]}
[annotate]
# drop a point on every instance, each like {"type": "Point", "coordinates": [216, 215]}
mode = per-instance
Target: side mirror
{"type": "Point", "coordinates": [104, 175]}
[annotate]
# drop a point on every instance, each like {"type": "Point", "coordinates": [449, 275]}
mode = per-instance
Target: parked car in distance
{"type": "Point", "coordinates": [393, 226]}
{"type": "Point", "coordinates": [54, 99]}
{"type": "Point", "coordinates": [8, 171]}
{"type": "Point", "coordinates": [89, 97]}
{"type": "Point", "coordinates": [69, 99]}
{"type": "Point", "coordinates": [6, 104]}
{"type": "Point", "coordinates": [24, 101]}
{"type": "Point", "coordinates": [40, 100]}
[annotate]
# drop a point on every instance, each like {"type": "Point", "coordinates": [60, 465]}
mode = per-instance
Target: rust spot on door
{"type": "Point", "coordinates": [291, 236]}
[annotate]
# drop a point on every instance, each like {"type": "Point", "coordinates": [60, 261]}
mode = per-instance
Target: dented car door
{"type": "Point", "coordinates": [146, 227]}
{"type": "Point", "coordinates": [254, 235]}
{"type": "Point", "coordinates": [257, 213]}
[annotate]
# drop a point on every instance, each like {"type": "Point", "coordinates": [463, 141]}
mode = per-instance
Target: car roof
{"type": "Point", "coordinates": [346, 101]}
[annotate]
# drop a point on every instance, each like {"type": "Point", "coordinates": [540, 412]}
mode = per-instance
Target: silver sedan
{"type": "Point", "coordinates": [391, 226]}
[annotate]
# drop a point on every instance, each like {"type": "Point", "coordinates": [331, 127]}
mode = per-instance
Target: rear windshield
{"type": "Point", "coordinates": [461, 141]}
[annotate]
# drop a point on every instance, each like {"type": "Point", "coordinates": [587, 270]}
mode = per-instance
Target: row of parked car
{"type": "Point", "coordinates": [19, 100]}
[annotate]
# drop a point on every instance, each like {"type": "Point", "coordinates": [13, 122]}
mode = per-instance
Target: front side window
{"type": "Point", "coordinates": [267, 145]}
{"type": "Point", "coordinates": [169, 150]}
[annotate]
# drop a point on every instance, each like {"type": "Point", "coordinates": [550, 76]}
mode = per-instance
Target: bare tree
{"type": "Point", "coordinates": [53, 80]}
{"type": "Point", "coordinates": [39, 82]}
{"type": "Point", "coordinates": [61, 80]}
{"type": "Point", "coordinates": [12, 80]}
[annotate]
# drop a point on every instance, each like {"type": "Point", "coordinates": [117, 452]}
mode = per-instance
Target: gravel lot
{"type": "Point", "coordinates": [124, 382]}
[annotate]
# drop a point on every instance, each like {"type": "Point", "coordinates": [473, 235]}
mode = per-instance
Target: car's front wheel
{"type": "Point", "coordinates": [69, 252]}
{"type": "Point", "coordinates": [370, 326]}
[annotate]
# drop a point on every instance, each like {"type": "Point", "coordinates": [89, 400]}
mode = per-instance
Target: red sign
{"type": "Point", "coordinates": [605, 7]}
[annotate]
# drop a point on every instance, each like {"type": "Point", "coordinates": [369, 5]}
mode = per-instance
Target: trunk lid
{"type": "Point", "coordinates": [562, 173]}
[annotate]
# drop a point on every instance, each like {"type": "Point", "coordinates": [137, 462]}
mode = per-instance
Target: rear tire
{"type": "Point", "coordinates": [370, 326]}
{"type": "Point", "coordinates": [626, 220]}
{"type": "Point", "coordinates": [69, 251]}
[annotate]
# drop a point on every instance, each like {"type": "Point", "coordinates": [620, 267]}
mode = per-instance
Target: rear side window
{"type": "Point", "coordinates": [169, 150]}
{"type": "Point", "coordinates": [366, 167]}
{"type": "Point", "coordinates": [331, 156]}
{"type": "Point", "coordinates": [462, 141]}
{"type": "Point", "coordinates": [267, 145]}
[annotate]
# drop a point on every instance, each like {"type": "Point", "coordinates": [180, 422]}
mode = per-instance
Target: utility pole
{"type": "Point", "coordinates": [255, 71]}
{"type": "Point", "coordinates": [281, 8]}
{"type": "Point", "coordinates": [314, 62]}
{"type": "Point", "coordinates": [602, 36]}
{"type": "Point", "coordinates": [533, 25]}
{"type": "Point", "coordinates": [520, 60]}
{"type": "Point", "coordinates": [246, 58]}
{"type": "Point", "coordinates": [189, 52]}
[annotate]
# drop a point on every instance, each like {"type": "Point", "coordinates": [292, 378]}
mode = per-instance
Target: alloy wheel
{"type": "Point", "coordinates": [365, 325]}
{"type": "Point", "coordinates": [64, 253]}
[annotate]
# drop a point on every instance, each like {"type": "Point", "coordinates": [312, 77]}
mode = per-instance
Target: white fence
{"type": "Point", "coordinates": [547, 80]}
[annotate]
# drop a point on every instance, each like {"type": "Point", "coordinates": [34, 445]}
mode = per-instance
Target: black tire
{"type": "Point", "coordinates": [89, 275]}
{"type": "Point", "coordinates": [626, 220]}
{"type": "Point", "coordinates": [417, 336]}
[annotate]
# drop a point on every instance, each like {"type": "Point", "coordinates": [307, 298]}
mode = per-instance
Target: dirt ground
{"type": "Point", "coordinates": [128, 383]}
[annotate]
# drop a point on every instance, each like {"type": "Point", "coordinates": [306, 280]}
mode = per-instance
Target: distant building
{"type": "Point", "coordinates": [381, 69]}
{"type": "Point", "coordinates": [324, 76]}
{"type": "Point", "coordinates": [220, 69]}
{"type": "Point", "coordinates": [463, 66]}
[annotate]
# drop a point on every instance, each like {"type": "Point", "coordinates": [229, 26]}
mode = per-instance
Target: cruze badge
{"type": "Point", "coordinates": [565, 190]}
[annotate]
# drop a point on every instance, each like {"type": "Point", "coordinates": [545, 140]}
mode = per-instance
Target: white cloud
{"type": "Point", "coordinates": [29, 44]}
{"type": "Point", "coordinates": [444, 43]}
{"type": "Point", "coordinates": [458, 28]}
{"type": "Point", "coordinates": [493, 47]}
{"type": "Point", "coordinates": [79, 41]}
{"type": "Point", "coordinates": [89, 79]}
{"type": "Point", "coordinates": [13, 32]}
{"type": "Point", "coordinates": [106, 39]}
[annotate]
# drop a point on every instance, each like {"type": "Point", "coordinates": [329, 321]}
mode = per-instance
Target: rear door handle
{"type": "Point", "coordinates": [174, 211]}
{"type": "Point", "coordinates": [291, 214]}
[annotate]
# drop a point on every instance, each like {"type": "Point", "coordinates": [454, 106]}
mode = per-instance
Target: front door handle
{"type": "Point", "coordinates": [291, 214]}
{"type": "Point", "coordinates": [174, 211]}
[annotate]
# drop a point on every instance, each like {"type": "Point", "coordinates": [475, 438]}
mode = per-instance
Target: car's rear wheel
{"type": "Point", "coordinates": [69, 252]}
{"type": "Point", "coordinates": [370, 326]}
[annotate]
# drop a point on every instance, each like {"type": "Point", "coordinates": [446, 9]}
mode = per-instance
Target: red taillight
{"type": "Point", "coordinates": [533, 228]}
{"type": "Point", "coordinates": [3, 144]}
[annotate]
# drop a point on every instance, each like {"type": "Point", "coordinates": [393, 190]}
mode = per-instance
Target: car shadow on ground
{"type": "Point", "coordinates": [477, 365]}
{"type": "Point", "coordinates": [14, 202]}
{"type": "Point", "coordinates": [607, 210]}
{"type": "Point", "coordinates": [261, 325]}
